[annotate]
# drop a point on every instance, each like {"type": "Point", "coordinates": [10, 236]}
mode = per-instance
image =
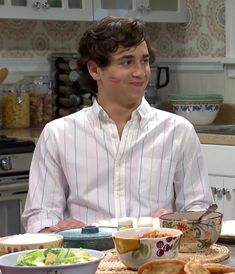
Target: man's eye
{"type": "Point", "coordinates": [146, 60]}
{"type": "Point", "coordinates": [126, 62]}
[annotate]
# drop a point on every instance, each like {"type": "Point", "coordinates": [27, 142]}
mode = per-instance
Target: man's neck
{"type": "Point", "coordinates": [119, 114]}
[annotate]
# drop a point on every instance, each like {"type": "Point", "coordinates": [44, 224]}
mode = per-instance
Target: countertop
{"type": "Point", "coordinates": [231, 260]}
{"type": "Point", "coordinates": [28, 133]}
{"type": "Point", "coordinates": [205, 138]}
{"type": "Point", "coordinates": [216, 139]}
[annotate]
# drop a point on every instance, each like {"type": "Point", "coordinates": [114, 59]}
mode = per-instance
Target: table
{"type": "Point", "coordinates": [231, 260]}
{"type": "Point", "coordinates": [111, 264]}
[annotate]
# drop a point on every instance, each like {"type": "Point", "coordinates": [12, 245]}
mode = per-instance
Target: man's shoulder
{"type": "Point", "coordinates": [68, 119]}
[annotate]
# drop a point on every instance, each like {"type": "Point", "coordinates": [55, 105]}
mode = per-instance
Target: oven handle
{"type": "Point", "coordinates": [14, 187]}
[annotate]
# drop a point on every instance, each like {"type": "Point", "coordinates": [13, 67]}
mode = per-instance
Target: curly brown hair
{"type": "Point", "coordinates": [103, 38]}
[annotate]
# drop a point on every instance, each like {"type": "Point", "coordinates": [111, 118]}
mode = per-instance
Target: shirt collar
{"type": "Point", "coordinates": [141, 113]}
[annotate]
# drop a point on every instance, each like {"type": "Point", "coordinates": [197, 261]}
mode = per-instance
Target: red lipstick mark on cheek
{"type": "Point", "coordinates": [114, 80]}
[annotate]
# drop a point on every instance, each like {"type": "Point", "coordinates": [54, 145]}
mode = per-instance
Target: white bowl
{"type": "Point", "coordinates": [133, 251]}
{"type": "Point", "coordinates": [8, 265]}
{"type": "Point", "coordinates": [27, 241]}
{"type": "Point", "coordinates": [198, 109]}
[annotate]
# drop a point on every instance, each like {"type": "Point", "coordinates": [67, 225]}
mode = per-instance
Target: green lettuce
{"type": "Point", "coordinates": [63, 256]}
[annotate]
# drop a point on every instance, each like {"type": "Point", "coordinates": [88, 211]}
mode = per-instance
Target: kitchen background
{"type": "Point", "coordinates": [192, 50]}
{"type": "Point", "coordinates": [200, 54]}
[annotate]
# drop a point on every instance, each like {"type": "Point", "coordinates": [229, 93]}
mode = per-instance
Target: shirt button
{"type": "Point", "coordinates": [113, 135]}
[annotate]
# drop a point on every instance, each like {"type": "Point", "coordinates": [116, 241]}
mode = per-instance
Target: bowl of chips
{"type": "Point", "coordinates": [136, 246]}
{"type": "Point", "coordinates": [198, 235]}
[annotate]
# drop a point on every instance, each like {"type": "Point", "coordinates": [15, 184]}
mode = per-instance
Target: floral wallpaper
{"type": "Point", "coordinates": [202, 36]}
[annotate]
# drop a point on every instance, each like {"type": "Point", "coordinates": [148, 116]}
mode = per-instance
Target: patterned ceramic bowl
{"type": "Point", "coordinates": [29, 241]}
{"type": "Point", "coordinates": [198, 109]}
{"type": "Point", "coordinates": [197, 236]}
{"type": "Point", "coordinates": [134, 250]}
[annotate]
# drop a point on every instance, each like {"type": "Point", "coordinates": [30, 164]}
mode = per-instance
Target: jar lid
{"type": "Point", "coordinates": [87, 233]}
{"type": "Point", "coordinates": [195, 97]}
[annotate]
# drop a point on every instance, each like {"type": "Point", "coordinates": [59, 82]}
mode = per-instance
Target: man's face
{"type": "Point", "coordinates": [124, 80]}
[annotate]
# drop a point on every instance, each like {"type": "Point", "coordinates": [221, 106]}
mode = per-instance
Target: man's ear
{"type": "Point", "coordinates": [93, 70]}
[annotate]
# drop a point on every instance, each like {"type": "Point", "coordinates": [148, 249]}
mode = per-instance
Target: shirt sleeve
{"type": "Point", "coordinates": [192, 190]}
{"type": "Point", "coordinates": [46, 199]}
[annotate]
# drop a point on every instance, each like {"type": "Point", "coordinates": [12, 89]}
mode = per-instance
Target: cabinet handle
{"type": "Point", "coordinates": [141, 8]}
{"type": "Point", "coordinates": [36, 5]}
{"type": "Point", "coordinates": [45, 5]}
{"type": "Point", "coordinates": [226, 191]}
{"type": "Point", "coordinates": [148, 9]}
{"type": "Point", "coordinates": [214, 190]}
{"type": "Point", "coordinates": [219, 192]}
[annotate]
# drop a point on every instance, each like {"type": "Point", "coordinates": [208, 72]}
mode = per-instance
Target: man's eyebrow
{"type": "Point", "coordinates": [129, 56]}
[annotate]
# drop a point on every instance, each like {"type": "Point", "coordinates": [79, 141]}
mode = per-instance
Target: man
{"type": "Point", "coordinates": [119, 157]}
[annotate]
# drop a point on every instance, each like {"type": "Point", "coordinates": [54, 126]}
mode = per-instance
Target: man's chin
{"type": "Point", "coordinates": [134, 101]}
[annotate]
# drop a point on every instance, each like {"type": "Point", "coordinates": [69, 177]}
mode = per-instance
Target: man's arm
{"type": "Point", "coordinates": [192, 191]}
{"type": "Point", "coordinates": [46, 199]}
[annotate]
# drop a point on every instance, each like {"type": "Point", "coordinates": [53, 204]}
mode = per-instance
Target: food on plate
{"type": "Point", "coordinates": [176, 266]}
{"type": "Point", "coordinates": [163, 266]}
{"type": "Point", "coordinates": [218, 268]}
{"type": "Point", "coordinates": [154, 234]}
{"type": "Point", "coordinates": [55, 256]}
{"type": "Point", "coordinates": [193, 267]}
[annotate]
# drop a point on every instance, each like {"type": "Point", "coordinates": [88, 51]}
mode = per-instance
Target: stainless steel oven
{"type": "Point", "coordinates": [15, 160]}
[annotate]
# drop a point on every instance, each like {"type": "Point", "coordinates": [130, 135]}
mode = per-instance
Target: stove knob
{"type": "Point", "coordinates": [6, 163]}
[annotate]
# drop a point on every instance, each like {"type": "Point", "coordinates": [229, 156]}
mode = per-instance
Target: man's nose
{"type": "Point", "coordinates": [139, 69]}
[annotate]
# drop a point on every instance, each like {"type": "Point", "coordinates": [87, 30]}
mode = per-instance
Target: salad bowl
{"type": "Point", "coordinates": [8, 264]}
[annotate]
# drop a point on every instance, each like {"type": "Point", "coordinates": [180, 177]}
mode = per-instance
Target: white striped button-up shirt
{"type": "Point", "coordinates": [82, 169]}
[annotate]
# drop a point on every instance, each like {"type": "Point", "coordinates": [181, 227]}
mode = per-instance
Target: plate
{"type": "Point", "coordinates": [137, 222]}
{"type": "Point", "coordinates": [227, 232]}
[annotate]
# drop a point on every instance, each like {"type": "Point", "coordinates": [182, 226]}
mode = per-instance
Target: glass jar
{"type": "Point", "coordinates": [40, 102]}
{"type": "Point", "coordinates": [15, 107]}
{"type": "Point", "coordinates": [125, 223]}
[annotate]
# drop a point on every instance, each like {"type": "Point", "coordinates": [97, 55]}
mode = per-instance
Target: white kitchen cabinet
{"type": "Point", "coordinates": [78, 10]}
{"type": "Point", "coordinates": [223, 190]}
{"type": "Point", "coordinates": [147, 10]}
{"type": "Point", "coordinates": [220, 161]}
{"type": "Point", "coordinates": [88, 10]}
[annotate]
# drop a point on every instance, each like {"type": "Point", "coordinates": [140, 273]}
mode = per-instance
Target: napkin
{"type": "Point", "coordinates": [137, 222]}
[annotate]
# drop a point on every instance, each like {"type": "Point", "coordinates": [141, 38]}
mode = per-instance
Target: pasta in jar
{"type": "Point", "coordinates": [15, 113]}
{"type": "Point", "coordinates": [40, 102]}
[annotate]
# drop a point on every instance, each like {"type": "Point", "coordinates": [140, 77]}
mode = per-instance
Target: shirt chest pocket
{"type": "Point", "coordinates": [157, 173]}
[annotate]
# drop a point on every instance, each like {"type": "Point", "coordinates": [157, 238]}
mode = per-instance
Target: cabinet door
{"type": "Point", "coordinates": [147, 10]}
{"type": "Point", "coordinates": [223, 190]}
{"type": "Point", "coordinates": [229, 198]}
{"type": "Point", "coordinates": [47, 9]}
{"type": "Point", "coordinates": [104, 8]}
